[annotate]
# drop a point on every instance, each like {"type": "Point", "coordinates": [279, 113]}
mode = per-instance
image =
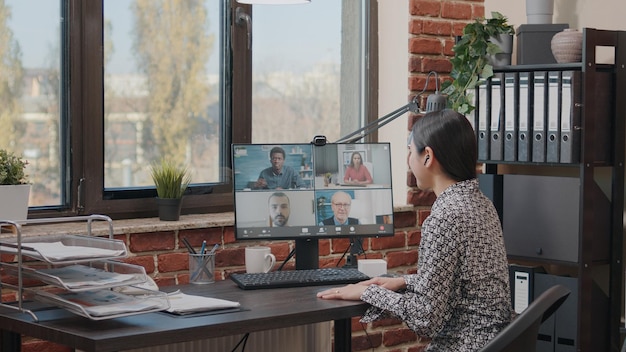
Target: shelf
{"type": "Point", "coordinates": [78, 277]}
{"type": "Point", "coordinates": [77, 272]}
{"type": "Point", "coordinates": [104, 304]}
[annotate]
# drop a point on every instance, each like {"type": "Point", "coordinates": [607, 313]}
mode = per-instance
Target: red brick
{"type": "Point", "coordinates": [398, 240]}
{"type": "Point", "coordinates": [147, 261]}
{"type": "Point", "coordinates": [398, 336]}
{"type": "Point", "coordinates": [404, 219]}
{"type": "Point", "coordinates": [416, 26]}
{"type": "Point", "coordinates": [229, 235]}
{"type": "Point", "coordinates": [426, 45]}
{"type": "Point", "coordinates": [414, 237]}
{"type": "Point", "coordinates": [170, 262]}
{"type": "Point", "coordinates": [437, 64]}
{"type": "Point", "coordinates": [386, 322]}
{"type": "Point", "coordinates": [425, 8]}
{"type": "Point", "coordinates": [153, 241]}
{"type": "Point", "coordinates": [403, 258]}
{"type": "Point", "coordinates": [437, 27]}
{"type": "Point", "coordinates": [44, 346]}
{"type": "Point", "coordinates": [421, 198]}
{"type": "Point", "coordinates": [411, 181]}
{"type": "Point", "coordinates": [366, 342]}
{"type": "Point", "coordinates": [457, 10]}
{"type": "Point", "coordinates": [168, 281]}
{"type": "Point", "coordinates": [230, 257]}
{"type": "Point", "coordinates": [196, 236]}
{"type": "Point", "coordinates": [422, 214]}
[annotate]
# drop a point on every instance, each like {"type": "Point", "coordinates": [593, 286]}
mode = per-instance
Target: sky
{"type": "Point", "coordinates": [305, 32]}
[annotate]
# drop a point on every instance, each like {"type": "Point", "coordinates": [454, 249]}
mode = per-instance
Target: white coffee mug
{"type": "Point", "coordinates": [259, 259]}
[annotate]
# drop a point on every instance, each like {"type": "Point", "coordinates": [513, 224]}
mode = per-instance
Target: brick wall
{"type": "Point", "coordinates": [433, 24]}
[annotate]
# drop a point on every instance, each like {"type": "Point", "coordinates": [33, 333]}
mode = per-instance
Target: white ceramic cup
{"type": "Point", "coordinates": [259, 259]}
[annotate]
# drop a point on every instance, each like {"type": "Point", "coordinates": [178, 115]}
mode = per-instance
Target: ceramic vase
{"type": "Point", "coordinates": [567, 46]}
{"type": "Point", "coordinates": [14, 202]}
{"type": "Point", "coordinates": [539, 11]}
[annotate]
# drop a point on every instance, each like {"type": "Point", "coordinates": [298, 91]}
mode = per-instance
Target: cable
{"type": "Point", "coordinates": [369, 339]}
{"type": "Point", "coordinates": [244, 340]}
{"type": "Point", "coordinates": [291, 254]}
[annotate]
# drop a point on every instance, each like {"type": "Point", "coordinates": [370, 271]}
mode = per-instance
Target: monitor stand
{"type": "Point", "coordinates": [307, 254]}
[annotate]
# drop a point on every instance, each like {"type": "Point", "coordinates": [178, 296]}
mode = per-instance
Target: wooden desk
{"type": "Point", "coordinates": [262, 310]}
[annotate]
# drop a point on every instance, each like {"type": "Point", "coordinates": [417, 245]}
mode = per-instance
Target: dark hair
{"type": "Point", "coordinates": [352, 156]}
{"type": "Point", "coordinates": [451, 137]}
{"type": "Point", "coordinates": [278, 195]}
{"type": "Point", "coordinates": [277, 150]}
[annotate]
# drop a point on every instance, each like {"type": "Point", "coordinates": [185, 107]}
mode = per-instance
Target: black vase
{"type": "Point", "coordinates": [169, 208]}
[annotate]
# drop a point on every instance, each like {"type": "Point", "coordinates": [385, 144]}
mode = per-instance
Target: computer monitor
{"type": "Point", "coordinates": [318, 193]}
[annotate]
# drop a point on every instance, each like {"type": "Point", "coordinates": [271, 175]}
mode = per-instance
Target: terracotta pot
{"type": "Point", "coordinates": [567, 46]}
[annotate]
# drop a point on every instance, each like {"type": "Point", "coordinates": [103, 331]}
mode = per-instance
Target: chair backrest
{"type": "Point", "coordinates": [521, 334]}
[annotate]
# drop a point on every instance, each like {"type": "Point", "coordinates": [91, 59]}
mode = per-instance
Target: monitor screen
{"type": "Point", "coordinates": [305, 192]}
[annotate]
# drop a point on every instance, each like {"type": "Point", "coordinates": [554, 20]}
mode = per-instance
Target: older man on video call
{"type": "Point", "coordinates": [279, 175]}
{"type": "Point", "coordinates": [340, 203]}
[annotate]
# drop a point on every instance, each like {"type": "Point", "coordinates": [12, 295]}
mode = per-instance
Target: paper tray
{"type": "Point", "coordinates": [76, 277]}
{"type": "Point", "coordinates": [104, 304]}
{"type": "Point", "coordinates": [65, 249]}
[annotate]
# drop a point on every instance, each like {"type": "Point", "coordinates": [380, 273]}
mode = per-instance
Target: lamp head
{"type": "Point", "coordinates": [436, 102]}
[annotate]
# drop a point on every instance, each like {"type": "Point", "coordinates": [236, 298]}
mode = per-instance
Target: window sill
{"type": "Point", "coordinates": [139, 225]}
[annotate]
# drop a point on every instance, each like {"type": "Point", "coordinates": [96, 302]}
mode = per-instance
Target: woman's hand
{"type": "Point", "coordinates": [390, 283]}
{"type": "Point", "coordinates": [353, 292]}
{"type": "Point", "coordinates": [350, 292]}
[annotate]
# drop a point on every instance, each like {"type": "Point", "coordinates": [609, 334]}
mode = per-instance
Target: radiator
{"type": "Point", "coordinates": [305, 338]}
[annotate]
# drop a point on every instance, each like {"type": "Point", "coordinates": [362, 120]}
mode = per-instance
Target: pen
{"type": "Point", "coordinates": [203, 247]}
{"type": "Point", "coordinates": [214, 249]}
{"type": "Point", "coordinates": [189, 247]}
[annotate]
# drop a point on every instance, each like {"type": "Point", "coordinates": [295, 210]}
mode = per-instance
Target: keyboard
{"type": "Point", "coordinates": [297, 278]}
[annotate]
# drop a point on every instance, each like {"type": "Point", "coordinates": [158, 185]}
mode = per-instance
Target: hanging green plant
{"type": "Point", "coordinates": [470, 63]}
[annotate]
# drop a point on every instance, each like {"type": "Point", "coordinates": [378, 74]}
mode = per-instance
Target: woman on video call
{"type": "Point", "coordinates": [459, 297]}
{"type": "Point", "coordinates": [356, 172]}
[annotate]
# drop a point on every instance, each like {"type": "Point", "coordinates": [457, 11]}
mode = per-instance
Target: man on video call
{"type": "Point", "coordinates": [279, 176]}
{"type": "Point", "coordinates": [340, 203]}
{"type": "Point", "coordinates": [279, 208]}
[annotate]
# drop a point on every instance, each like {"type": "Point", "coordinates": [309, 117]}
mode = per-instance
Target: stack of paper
{"type": "Point", "coordinates": [181, 303]}
{"type": "Point", "coordinates": [76, 276]}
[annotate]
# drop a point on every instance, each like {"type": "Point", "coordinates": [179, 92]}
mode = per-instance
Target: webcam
{"type": "Point", "coordinates": [319, 140]}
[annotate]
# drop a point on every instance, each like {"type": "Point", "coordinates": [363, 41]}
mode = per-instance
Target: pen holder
{"type": "Point", "coordinates": [201, 268]}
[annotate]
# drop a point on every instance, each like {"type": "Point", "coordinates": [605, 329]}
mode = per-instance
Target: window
{"type": "Point", "coordinates": [119, 84]}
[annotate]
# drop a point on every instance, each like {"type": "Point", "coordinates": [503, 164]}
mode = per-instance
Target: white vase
{"type": "Point", "coordinates": [539, 11]}
{"type": "Point", "coordinates": [567, 46]}
{"type": "Point", "coordinates": [14, 202]}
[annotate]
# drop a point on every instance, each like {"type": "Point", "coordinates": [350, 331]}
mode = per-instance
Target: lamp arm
{"type": "Point", "coordinates": [380, 122]}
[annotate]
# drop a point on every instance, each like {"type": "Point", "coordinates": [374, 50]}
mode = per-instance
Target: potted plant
{"type": "Point", "coordinates": [171, 181]}
{"type": "Point", "coordinates": [472, 58]}
{"type": "Point", "coordinates": [14, 187]}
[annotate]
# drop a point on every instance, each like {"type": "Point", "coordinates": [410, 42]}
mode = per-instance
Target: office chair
{"type": "Point", "coordinates": [521, 334]}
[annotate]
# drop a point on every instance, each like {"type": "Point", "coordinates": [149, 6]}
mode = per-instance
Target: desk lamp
{"type": "Point", "coordinates": [435, 102]}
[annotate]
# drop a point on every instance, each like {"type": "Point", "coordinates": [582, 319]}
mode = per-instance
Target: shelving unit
{"type": "Point", "coordinates": [563, 213]}
{"type": "Point", "coordinates": [79, 273]}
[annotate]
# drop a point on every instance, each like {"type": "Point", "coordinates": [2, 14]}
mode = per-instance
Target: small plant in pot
{"type": "Point", "coordinates": [14, 187]}
{"type": "Point", "coordinates": [171, 181]}
{"type": "Point", "coordinates": [472, 60]}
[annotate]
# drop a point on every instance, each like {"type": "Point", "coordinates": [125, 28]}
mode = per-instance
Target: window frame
{"type": "Point", "coordinates": [84, 114]}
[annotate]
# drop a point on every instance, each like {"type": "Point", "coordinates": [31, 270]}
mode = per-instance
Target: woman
{"type": "Point", "coordinates": [356, 172]}
{"type": "Point", "coordinates": [459, 297]}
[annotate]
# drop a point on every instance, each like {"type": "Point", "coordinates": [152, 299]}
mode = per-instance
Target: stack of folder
{"type": "Point", "coordinates": [529, 117]}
